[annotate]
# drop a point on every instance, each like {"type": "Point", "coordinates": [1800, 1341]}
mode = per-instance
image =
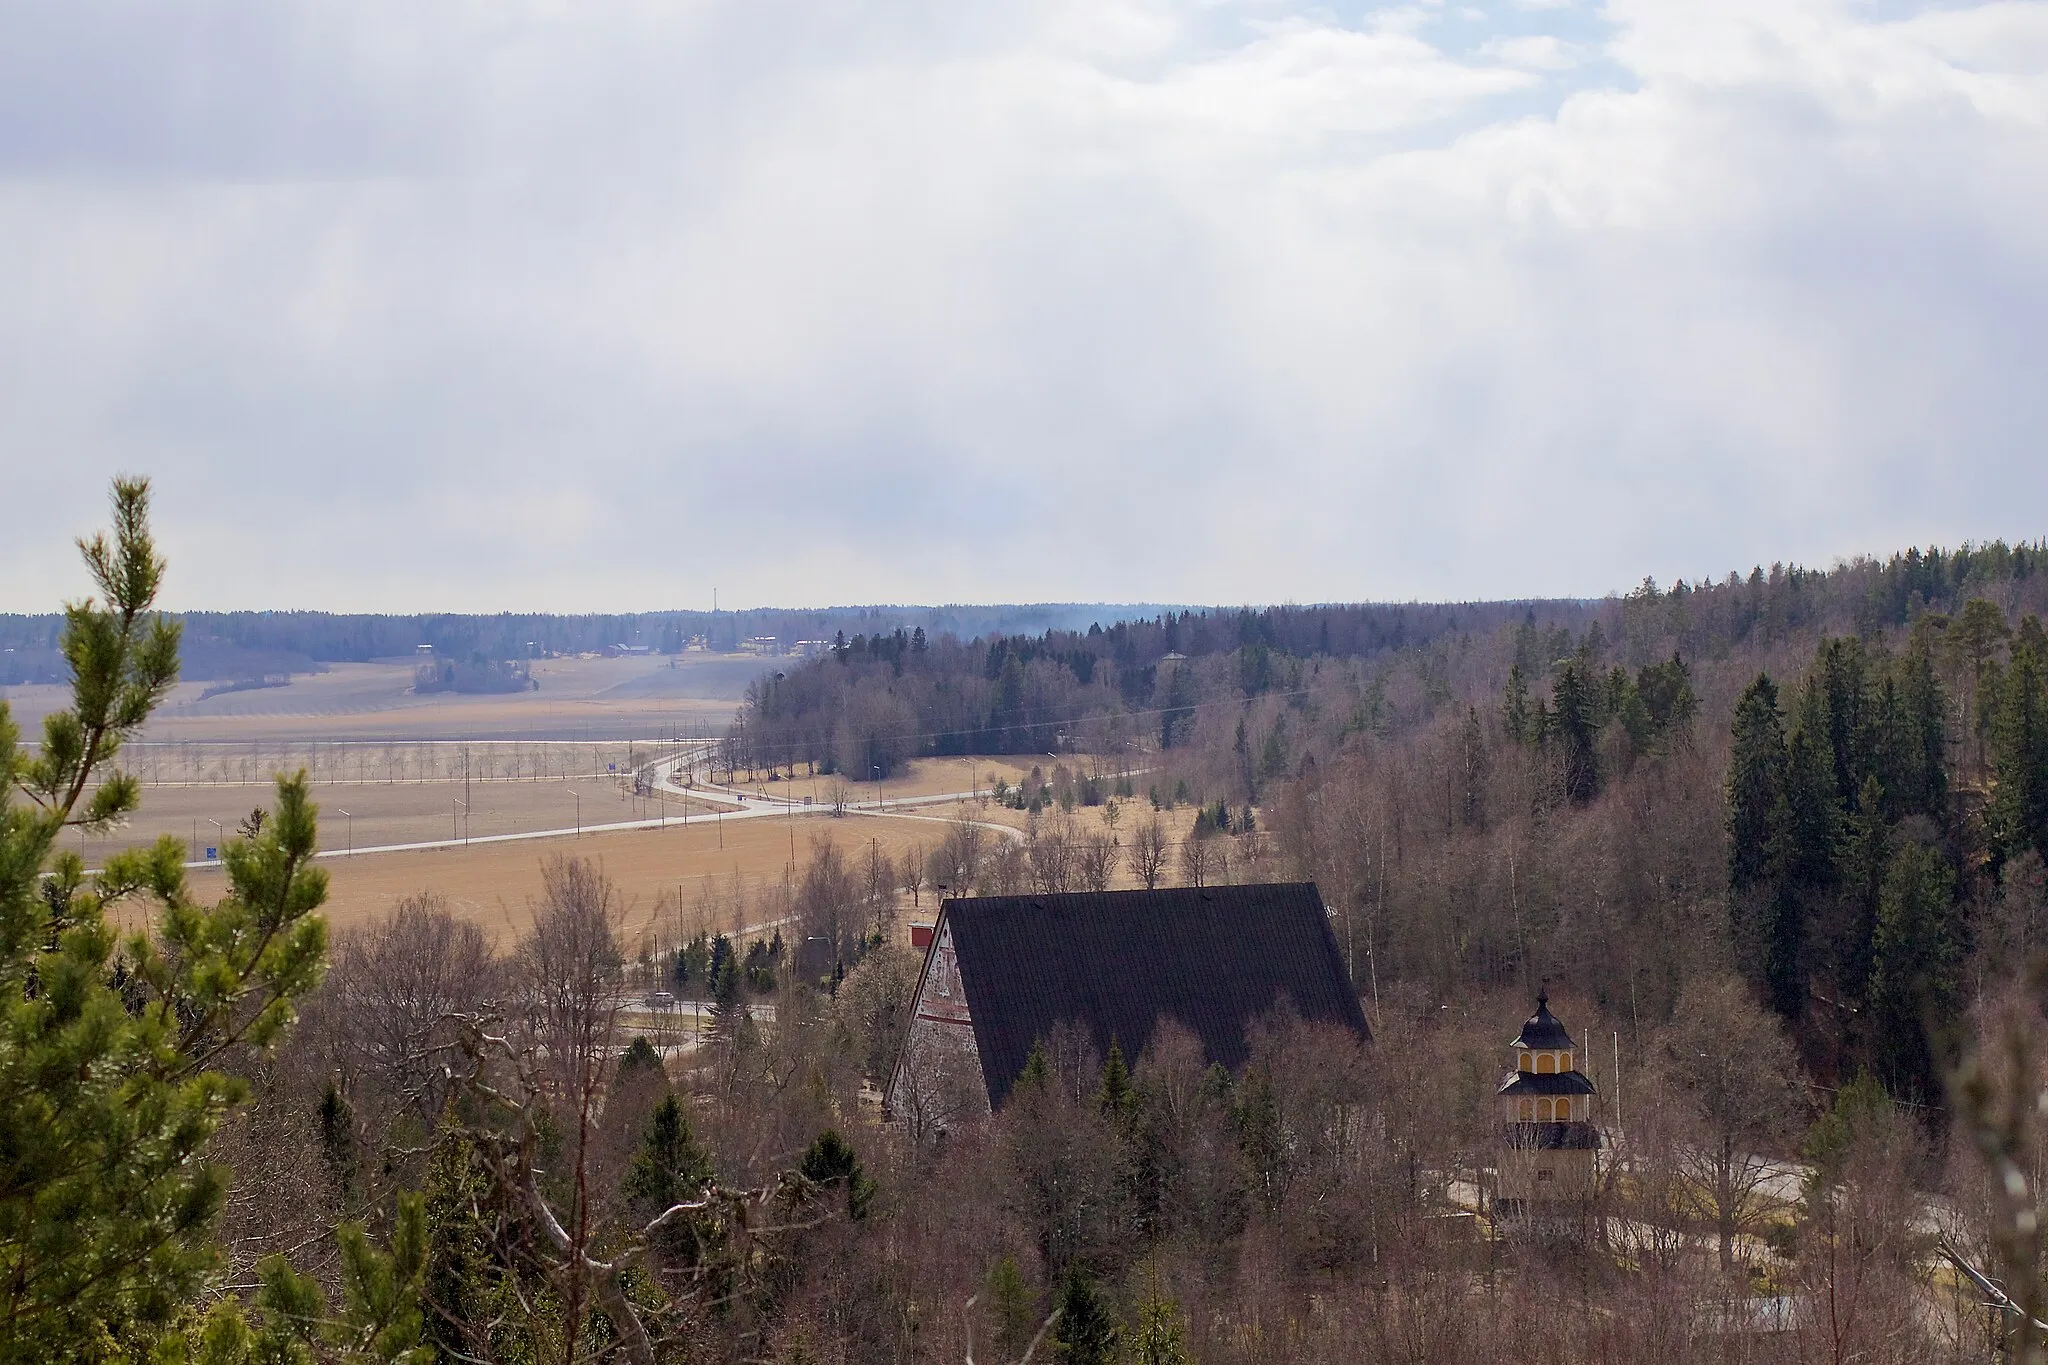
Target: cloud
{"type": "Point", "coordinates": [433, 305]}
{"type": "Point", "coordinates": [1534, 52]}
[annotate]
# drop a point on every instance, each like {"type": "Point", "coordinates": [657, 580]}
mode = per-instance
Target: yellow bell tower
{"type": "Point", "coordinates": [1548, 1158]}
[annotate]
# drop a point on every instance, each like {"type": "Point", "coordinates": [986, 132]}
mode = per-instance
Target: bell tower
{"type": "Point", "coordinates": [1548, 1148]}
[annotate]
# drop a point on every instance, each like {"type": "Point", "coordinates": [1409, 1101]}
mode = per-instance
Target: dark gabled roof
{"type": "Point", "coordinates": [1543, 1030]}
{"type": "Point", "coordinates": [1529, 1083]}
{"type": "Point", "coordinates": [1114, 962]}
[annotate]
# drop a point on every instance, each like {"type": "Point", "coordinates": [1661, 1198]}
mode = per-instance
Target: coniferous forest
{"type": "Point", "coordinates": [1773, 845]}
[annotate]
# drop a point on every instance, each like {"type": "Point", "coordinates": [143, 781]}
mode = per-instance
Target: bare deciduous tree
{"type": "Point", "coordinates": [1052, 859]}
{"type": "Point", "coordinates": [393, 996]}
{"type": "Point", "coordinates": [910, 873]}
{"type": "Point", "coordinates": [1147, 853]}
{"type": "Point", "coordinates": [571, 972]}
{"type": "Point", "coordinates": [1729, 1065]}
{"type": "Point", "coordinates": [1197, 861]}
{"type": "Point", "coordinates": [1095, 859]}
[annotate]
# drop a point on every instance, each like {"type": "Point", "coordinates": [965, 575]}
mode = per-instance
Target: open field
{"type": "Point", "coordinates": [397, 813]}
{"type": "Point", "coordinates": [644, 697]}
{"type": "Point", "coordinates": [414, 809]}
{"type": "Point", "coordinates": [491, 884]}
{"type": "Point", "coordinates": [922, 777]}
{"type": "Point", "coordinates": [366, 762]}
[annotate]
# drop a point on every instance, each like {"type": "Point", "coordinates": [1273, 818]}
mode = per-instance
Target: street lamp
{"type": "Point", "coordinates": [579, 811]}
{"type": "Point", "coordinates": [219, 834]}
{"type": "Point", "coordinates": [459, 829]}
{"type": "Point", "coordinates": [351, 829]}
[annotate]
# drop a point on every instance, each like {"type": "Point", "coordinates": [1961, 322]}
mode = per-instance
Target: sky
{"type": "Point", "coordinates": [573, 305]}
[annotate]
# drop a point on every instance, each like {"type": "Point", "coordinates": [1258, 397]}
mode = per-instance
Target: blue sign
{"type": "Point", "coordinates": [212, 854]}
{"type": "Point", "coordinates": [611, 767]}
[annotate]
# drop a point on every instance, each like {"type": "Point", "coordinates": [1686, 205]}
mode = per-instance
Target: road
{"type": "Point", "coordinates": [741, 805]}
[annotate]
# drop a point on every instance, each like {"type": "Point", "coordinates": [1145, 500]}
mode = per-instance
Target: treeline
{"type": "Point", "coordinates": [1145, 685]}
{"type": "Point", "coordinates": [229, 645]}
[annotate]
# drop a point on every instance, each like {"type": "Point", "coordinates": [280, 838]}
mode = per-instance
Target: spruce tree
{"type": "Point", "coordinates": [1116, 1098]}
{"type": "Point", "coordinates": [670, 1165]}
{"type": "Point", "coordinates": [2019, 760]}
{"type": "Point", "coordinates": [1161, 1336]}
{"type": "Point", "coordinates": [1514, 711]}
{"type": "Point", "coordinates": [1839, 711]}
{"type": "Point", "coordinates": [1912, 737]}
{"type": "Point", "coordinates": [1756, 783]}
{"type": "Point", "coordinates": [831, 1163]}
{"type": "Point", "coordinates": [1805, 842]}
{"type": "Point", "coordinates": [1865, 863]}
{"type": "Point", "coordinates": [1087, 1333]}
{"type": "Point", "coordinates": [1916, 973]}
{"type": "Point", "coordinates": [1575, 723]}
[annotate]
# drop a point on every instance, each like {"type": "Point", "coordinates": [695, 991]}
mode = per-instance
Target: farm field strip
{"type": "Point", "coordinates": [660, 875]}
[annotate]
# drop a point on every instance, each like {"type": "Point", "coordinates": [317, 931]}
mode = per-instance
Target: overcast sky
{"type": "Point", "coordinates": [585, 305]}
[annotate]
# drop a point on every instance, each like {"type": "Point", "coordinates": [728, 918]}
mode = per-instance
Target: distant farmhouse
{"type": "Point", "coordinates": [1002, 972]}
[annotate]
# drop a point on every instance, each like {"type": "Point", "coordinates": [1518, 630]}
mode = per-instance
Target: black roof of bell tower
{"type": "Point", "coordinates": [1543, 1029]}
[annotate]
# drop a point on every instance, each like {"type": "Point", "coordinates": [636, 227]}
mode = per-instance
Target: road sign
{"type": "Point", "coordinates": [212, 853]}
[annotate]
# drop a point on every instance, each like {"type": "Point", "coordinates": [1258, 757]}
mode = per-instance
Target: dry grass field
{"type": "Point", "coordinates": [924, 777]}
{"type": "Point", "coordinates": [398, 813]}
{"type": "Point", "coordinates": [492, 885]}
{"type": "Point", "coordinates": [578, 699]}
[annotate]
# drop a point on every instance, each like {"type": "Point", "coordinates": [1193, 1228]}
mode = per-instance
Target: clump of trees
{"type": "Point", "coordinates": [478, 675]}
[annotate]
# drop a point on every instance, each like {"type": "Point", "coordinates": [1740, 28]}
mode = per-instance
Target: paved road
{"type": "Point", "coordinates": [742, 805]}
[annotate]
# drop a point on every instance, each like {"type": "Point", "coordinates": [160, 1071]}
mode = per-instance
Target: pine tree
{"type": "Point", "coordinates": [105, 1110]}
{"type": "Point", "coordinates": [466, 1288]}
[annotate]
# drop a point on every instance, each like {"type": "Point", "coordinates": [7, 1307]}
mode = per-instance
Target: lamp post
{"type": "Point", "coordinates": [579, 811]}
{"type": "Point", "coordinates": [351, 829]}
{"type": "Point", "coordinates": [219, 834]}
{"type": "Point", "coordinates": [459, 826]}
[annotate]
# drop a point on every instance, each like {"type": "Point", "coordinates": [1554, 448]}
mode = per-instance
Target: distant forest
{"type": "Point", "coordinates": [251, 644]}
